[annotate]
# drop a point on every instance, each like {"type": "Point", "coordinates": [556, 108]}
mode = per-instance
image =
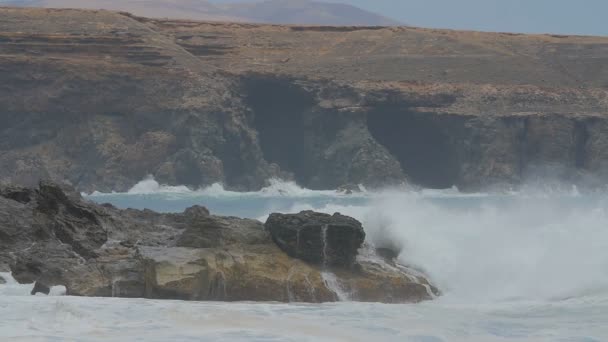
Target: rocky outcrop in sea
{"type": "Point", "coordinates": [51, 236]}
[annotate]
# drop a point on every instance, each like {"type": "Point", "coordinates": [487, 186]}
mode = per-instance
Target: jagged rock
{"type": "Point", "coordinates": [77, 225]}
{"type": "Point", "coordinates": [58, 238]}
{"type": "Point", "coordinates": [317, 238]}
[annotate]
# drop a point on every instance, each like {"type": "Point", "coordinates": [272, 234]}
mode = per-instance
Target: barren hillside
{"type": "Point", "coordinates": [103, 99]}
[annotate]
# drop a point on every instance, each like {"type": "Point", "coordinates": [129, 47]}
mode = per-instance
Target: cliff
{"type": "Point", "coordinates": [102, 99]}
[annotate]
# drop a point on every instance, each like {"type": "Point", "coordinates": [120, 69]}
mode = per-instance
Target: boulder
{"type": "Point", "coordinates": [2, 281]}
{"type": "Point", "coordinates": [317, 238]}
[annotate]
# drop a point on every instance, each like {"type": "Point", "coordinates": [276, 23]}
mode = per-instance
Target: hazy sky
{"type": "Point", "coordinates": [531, 16]}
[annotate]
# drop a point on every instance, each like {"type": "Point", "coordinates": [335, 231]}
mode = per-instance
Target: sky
{"type": "Point", "coordinates": [586, 17]}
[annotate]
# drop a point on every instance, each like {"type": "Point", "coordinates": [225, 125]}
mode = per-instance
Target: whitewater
{"type": "Point", "coordinates": [530, 265]}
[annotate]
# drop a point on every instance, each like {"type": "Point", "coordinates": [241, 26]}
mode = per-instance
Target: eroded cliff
{"type": "Point", "coordinates": [102, 99]}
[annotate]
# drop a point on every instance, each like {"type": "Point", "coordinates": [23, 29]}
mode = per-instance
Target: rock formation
{"type": "Point", "coordinates": [51, 236]}
{"type": "Point", "coordinates": [103, 99]}
{"type": "Point", "coordinates": [318, 238]}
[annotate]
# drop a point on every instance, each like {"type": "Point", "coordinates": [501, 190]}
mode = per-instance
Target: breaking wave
{"type": "Point", "coordinates": [494, 248]}
{"type": "Point", "coordinates": [276, 188]}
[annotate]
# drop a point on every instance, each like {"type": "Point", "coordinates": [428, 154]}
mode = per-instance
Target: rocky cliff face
{"type": "Point", "coordinates": [51, 236]}
{"type": "Point", "coordinates": [102, 99]}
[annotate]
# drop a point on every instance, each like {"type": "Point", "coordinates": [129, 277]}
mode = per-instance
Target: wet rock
{"type": "Point", "coordinates": [40, 288]}
{"type": "Point", "coordinates": [385, 283]}
{"type": "Point", "coordinates": [206, 231]}
{"type": "Point", "coordinates": [317, 238]}
{"type": "Point", "coordinates": [260, 273]}
{"type": "Point", "coordinates": [54, 239]}
{"type": "Point", "coordinates": [2, 281]}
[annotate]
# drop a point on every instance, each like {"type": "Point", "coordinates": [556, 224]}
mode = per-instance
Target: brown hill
{"type": "Point", "coordinates": [306, 12]}
{"type": "Point", "coordinates": [103, 99]}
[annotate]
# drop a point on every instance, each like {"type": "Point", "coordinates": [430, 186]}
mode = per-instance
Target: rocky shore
{"type": "Point", "coordinates": [51, 236]}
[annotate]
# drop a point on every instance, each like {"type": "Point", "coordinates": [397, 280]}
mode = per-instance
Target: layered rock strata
{"type": "Point", "coordinates": [103, 99]}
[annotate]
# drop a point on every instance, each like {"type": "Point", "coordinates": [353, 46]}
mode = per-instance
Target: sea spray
{"type": "Point", "coordinates": [487, 248]}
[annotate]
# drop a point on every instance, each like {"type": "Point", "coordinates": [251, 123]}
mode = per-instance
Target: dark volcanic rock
{"type": "Point", "coordinates": [317, 238]}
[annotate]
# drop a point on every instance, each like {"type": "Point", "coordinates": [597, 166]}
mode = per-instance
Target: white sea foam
{"type": "Point", "coordinates": [151, 186]}
{"type": "Point", "coordinates": [276, 188]}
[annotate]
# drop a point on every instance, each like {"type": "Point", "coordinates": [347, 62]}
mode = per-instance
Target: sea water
{"type": "Point", "coordinates": [526, 266]}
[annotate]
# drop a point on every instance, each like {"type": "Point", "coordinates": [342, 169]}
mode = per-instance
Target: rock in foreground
{"type": "Point", "coordinates": [51, 236]}
{"type": "Point", "coordinates": [317, 238]}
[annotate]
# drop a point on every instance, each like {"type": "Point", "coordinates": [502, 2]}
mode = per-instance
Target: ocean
{"type": "Point", "coordinates": [521, 266]}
